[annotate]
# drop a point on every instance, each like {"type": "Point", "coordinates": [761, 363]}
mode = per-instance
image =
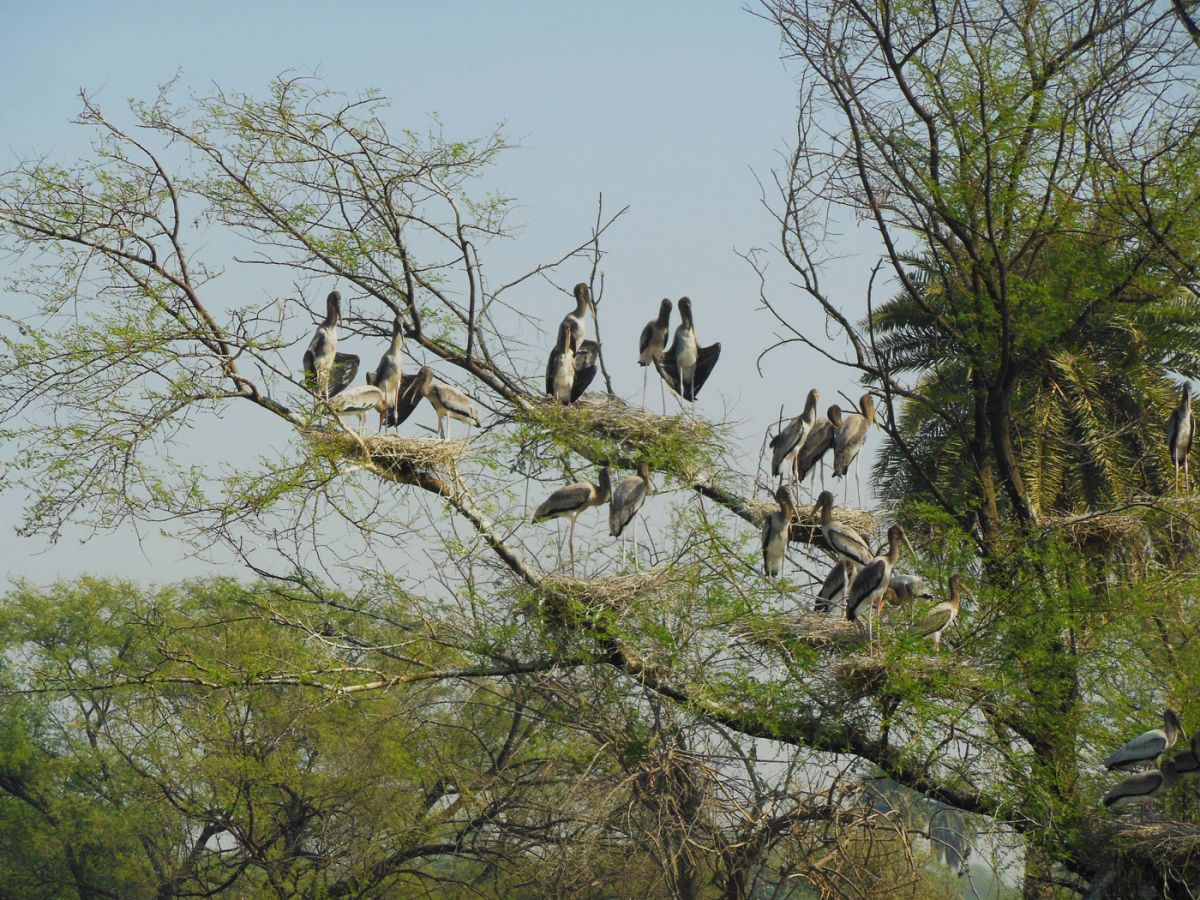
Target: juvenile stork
{"type": "Point", "coordinates": [786, 444]}
{"type": "Point", "coordinates": [1181, 428]}
{"type": "Point", "coordinates": [1186, 764]}
{"type": "Point", "coordinates": [817, 443]}
{"type": "Point", "coordinates": [909, 587]}
{"type": "Point", "coordinates": [687, 365]}
{"type": "Point", "coordinates": [1144, 787]}
{"type": "Point", "coordinates": [573, 500]}
{"type": "Point", "coordinates": [651, 345]}
{"type": "Point", "coordinates": [627, 498]}
{"type": "Point", "coordinates": [447, 402]}
{"type": "Point", "coordinates": [388, 375]}
{"type": "Point", "coordinates": [408, 396]}
{"type": "Point", "coordinates": [358, 401]}
{"type": "Point", "coordinates": [327, 371]}
{"type": "Point", "coordinates": [852, 551]}
{"type": "Point", "coordinates": [871, 582]}
{"type": "Point", "coordinates": [1144, 749]}
{"type": "Point", "coordinates": [560, 370]}
{"type": "Point", "coordinates": [848, 443]}
{"type": "Point", "coordinates": [942, 616]}
{"type": "Point", "coordinates": [577, 319]}
{"type": "Point", "coordinates": [775, 534]}
{"type": "Point", "coordinates": [833, 590]}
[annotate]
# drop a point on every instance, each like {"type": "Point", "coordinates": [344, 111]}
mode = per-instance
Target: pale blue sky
{"type": "Point", "coordinates": [667, 107]}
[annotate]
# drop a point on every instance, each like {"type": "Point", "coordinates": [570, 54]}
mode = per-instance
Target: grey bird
{"type": "Point", "coordinates": [627, 499]}
{"type": "Point", "coordinates": [577, 318]}
{"type": "Point", "coordinates": [942, 616]}
{"type": "Point", "coordinates": [447, 402]}
{"type": "Point", "coordinates": [1143, 787]}
{"type": "Point", "coordinates": [848, 442]}
{"type": "Point", "coordinates": [572, 500]}
{"type": "Point", "coordinates": [326, 371]}
{"type": "Point", "coordinates": [786, 444]}
{"type": "Point", "coordinates": [1144, 749]}
{"type": "Point", "coordinates": [1181, 428]}
{"type": "Point", "coordinates": [775, 534]}
{"type": "Point", "coordinates": [652, 343]}
{"type": "Point", "coordinates": [817, 443]}
{"type": "Point", "coordinates": [871, 582]}
{"type": "Point", "coordinates": [687, 365]}
{"type": "Point", "coordinates": [388, 375]}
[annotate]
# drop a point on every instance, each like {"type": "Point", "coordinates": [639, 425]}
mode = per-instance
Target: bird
{"type": "Point", "coordinates": [1144, 749]}
{"type": "Point", "coordinates": [573, 500]}
{"type": "Point", "coordinates": [786, 444]}
{"type": "Point", "coordinates": [775, 533]}
{"type": "Point", "coordinates": [687, 365]}
{"type": "Point", "coordinates": [843, 540]}
{"type": "Point", "coordinates": [447, 402]}
{"type": "Point", "coordinates": [327, 371]}
{"type": "Point", "coordinates": [833, 590]}
{"type": "Point", "coordinates": [942, 616]}
{"type": "Point", "coordinates": [627, 498]}
{"type": "Point", "coordinates": [359, 401]}
{"type": "Point", "coordinates": [576, 319]}
{"type": "Point", "coordinates": [560, 370]}
{"type": "Point", "coordinates": [1181, 428]}
{"type": "Point", "coordinates": [872, 580]}
{"type": "Point", "coordinates": [908, 587]}
{"type": "Point", "coordinates": [587, 357]}
{"type": "Point", "coordinates": [1144, 786]}
{"type": "Point", "coordinates": [408, 396]}
{"type": "Point", "coordinates": [651, 345]}
{"type": "Point", "coordinates": [1187, 764]}
{"type": "Point", "coordinates": [848, 442]}
{"type": "Point", "coordinates": [817, 443]}
{"type": "Point", "coordinates": [388, 375]}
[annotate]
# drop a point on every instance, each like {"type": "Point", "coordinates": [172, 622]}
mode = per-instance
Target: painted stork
{"type": "Point", "coordinates": [908, 587]}
{"type": "Point", "coordinates": [775, 534]}
{"type": "Point", "coordinates": [942, 616]}
{"type": "Point", "coordinates": [848, 442]}
{"type": "Point", "coordinates": [817, 443]}
{"type": "Point", "coordinates": [577, 319]}
{"type": "Point", "coordinates": [560, 370]}
{"type": "Point", "coordinates": [786, 444]}
{"type": "Point", "coordinates": [843, 540]}
{"type": "Point", "coordinates": [327, 371]}
{"type": "Point", "coordinates": [651, 345]}
{"type": "Point", "coordinates": [1181, 428]}
{"type": "Point", "coordinates": [687, 365]}
{"type": "Point", "coordinates": [871, 582]}
{"type": "Point", "coordinates": [1143, 787]}
{"type": "Point", "coordinates": [447, 402]}
{"type": "Point", "coordinates": [833, 590]}
{"type": "Point", "coordinates": [573, 500]}
{"type": "Point", "coordinates": [1187, 764]}
{"type": "Point", "coordinates": [627, 498]}
{"type": "Point", "coordinates": [1144, 749]}
{"type": "Point", "coordinates": [358, 401]}
{"type": "Point", "coordinates": [389, 374]}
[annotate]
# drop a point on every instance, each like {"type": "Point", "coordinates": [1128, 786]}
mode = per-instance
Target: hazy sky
{"type": "Point", "coordinates": [670, 108]}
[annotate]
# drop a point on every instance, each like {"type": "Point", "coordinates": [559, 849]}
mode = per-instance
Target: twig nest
{"type": "Point", "coordinates": [615, 592]}
{"type": "Point", "coordinates": [1103, 530]}
{"type": "Point", "coordinates": [818, 631]}
{"type": "Point", "coordinates": [859, 519]}
{"type": "Point", "coordinates": [390, 450]}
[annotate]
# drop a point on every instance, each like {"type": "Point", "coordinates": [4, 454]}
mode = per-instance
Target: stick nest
{"type": "Point", "coordinates": [819, 631]}
{"type": "Point", "coordinates": [615, 592]}
{"type": "Point", "coordinates": [390, 450]}
{"type": "Point", "coordinates": [808, 521]}
{"type": "Point", "coordinates": [1103, 530]}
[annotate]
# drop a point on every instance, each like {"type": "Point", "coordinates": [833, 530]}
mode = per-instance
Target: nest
{"type": "Point", "coordinates": [818, 631]}
{"type": "Point", "coordinates": [1167, 842]}
{"type": "Point", "coordinates": [391, 451]}
{"type": "Point", "coordinates": [1103, 530]}
{"type": "Point", "coordinates": [808, 521]}
{"type": "Point", "coordinates": [615, 592]}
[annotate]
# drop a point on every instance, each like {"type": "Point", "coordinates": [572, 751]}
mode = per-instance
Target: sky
{"type": "Point", "coordinates": [673, 109]}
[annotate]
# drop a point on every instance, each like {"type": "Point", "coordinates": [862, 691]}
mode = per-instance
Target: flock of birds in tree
{"type": "Point", "coordinates": [865, 581]}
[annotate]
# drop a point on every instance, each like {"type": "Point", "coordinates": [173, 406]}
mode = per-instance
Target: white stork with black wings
{"type": "Point", "coordinates": [326, 371]}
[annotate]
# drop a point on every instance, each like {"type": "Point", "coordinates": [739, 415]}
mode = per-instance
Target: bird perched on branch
{"type": "Point", "coordinates": [1181, 428]}
{"type": "Point", "coordinates": [573, 500]}
{"type": "Point", "coordinates": [687, 365]}
{"type": "Point", "coordinates": [358, 401]}
{"type": "Point", "coordinates": [652, 343]}
{"type": "Point", "coordinates": [786, 444]}
{"type": "Point", "coordinates": [389, 373]}
{"type": "Point", "coordinates": [447, 402]}
{"type": "Point", "coordinates": [872, 580]}
{"type": "Point", "coordinates": [942, 616]}
{"type": "Point", "coordinates": [775, 534]}
{"type": "Point", "coordinates": [1143, 787]}
{"type": "Point", "coordinates": [1144, 749]}
{"type": "Point", "coordinates": [326, 371]}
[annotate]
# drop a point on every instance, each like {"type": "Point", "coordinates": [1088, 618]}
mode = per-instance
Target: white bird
{"type": "Point", "coordinates": [848, 442]}
{"type": "Point", "coordinates": [786, 444]}
{"type": "Point", "coordinates": [652, 343]}
{"type": "Point", "coordinates": [573, 500]}
{"type": "Point", "coordinates": [1143, 787]}
{"type": "Point", "coordinates": [447, 401]}
{"type": "Point", "coordinates": [687, 365]}
{"type": "Point", "coordinates": [1144, 749]}
{"type": "Point", "coordinates": [1181, 428]}
{"type": "Point", "coordinates": [841, 539]}
{"type": "Point", "coordinates": [577, 319]}
{"type": "Point", "coordinates": [358, 401]}
{"type": "Point", "coordinates": [942, 616]}
{"type": "Point", "coordinates": [327, 371]}
{"type": "Point", "coordinates": [817, 443]}
{"type": "Point", "coordinates": [775, 532]}
{"type": "Point", "coordinates": [871, 582]}
{"type": "Point", "coordinates": [627, 498]}
{"type": "Point", "coordinates": [388, 375]}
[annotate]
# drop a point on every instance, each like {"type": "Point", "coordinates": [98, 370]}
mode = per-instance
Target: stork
{"type": "Point", "coordinates": [871, 582]}
{"type": "Point", "coordinates": [942, 616]}
{"type": "Point", "coordinates": [447, 402]}
{"type": "Point", "coordinates": [358, 401]}
{"type": "Point", "coordinates": [326, 371]}
{"type": "Point", "coordinates": [577, 319]}
{"type": "Point", "coordinates": [573, 500]}
{"type": "Point", "coordinates": [1144, 749]}
{"type": "Point", "coordinates": [848, 443]}
{"type": "Point", "coordinates": [908, 587]}
{"type": "Point", "coordinates": [1181, 428]}
{"type": "Point", "coordinates": [775, 534]}
{"type": "Point", "coordinates": [786, 444]}
{"type": "Point", "coordinates": [1143, 787]}
{"type": "Point", "coordinates": [846, 543]}
{"type": "Point", "coordinates": [560, 370]}
{"type": "Point", "coordinates": [817, 443]}
{"type": "Point", "coordinates": [833, 590]}
{"type": "Point", "coordinates": [627, 498]}
{"type": "Point", "coordinates": [687, 365]}
{"type": "Point", "coordinates": [389, 374]}
{"type": "Point", "coordinates": [651, 345]}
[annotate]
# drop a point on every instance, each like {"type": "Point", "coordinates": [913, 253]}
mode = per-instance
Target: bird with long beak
{"type": "Point", "coordinates": [560, 370]}
{"type": "Point", "coordinates": [651, 344]}
{"type": "Point", "coordinates": [447, 401]}
{"type": "Point", "coordinates": [817, 443]}
{"type": "Point", "coordinates": [687, 365]}
{"type": "Point", "coordinates": [358, 401]}
{"type": "Point", "coordinates": [576, 320]}
{"type": "Point", "coordinates": [389, 374]}
{"type": "Point", "coordinates": [942, 616]}
{"type": "Point", "coordinates": [848, 442]}
{"type": "Point", "coordinates": [871, 582]}
{"type": "Point", "coordinates": [786, 444]}
{"type": "Point", "coordinates": [572, 500]}
{"type": "Point", "coordinates": [1144, 787]}
{"type": "Point", "coordinates": [627, 498]}
{"type": "Point", "coordinates": [1181, 428]}
{"type": "Point", "coordinates": [1143, 750]}
{"type": "Point", "coordinates": [775, 532]}
{"type": "Point", "coordinates": [326, 371]}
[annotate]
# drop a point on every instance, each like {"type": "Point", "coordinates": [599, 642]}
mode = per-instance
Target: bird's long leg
{"type": "Point", "coordinates": [637, 563]}
{"type": "Point", "coordinates": [441, 433]}
{"type": "Point", "coordinates": [822, 464]}
{"type": "Point", "coordinates": [662, 386]}
{"type": "Point", "coordinates": [558, 541]}
{"type": "Point", "coordinates": [846, 489]}
{"type": "Point", "coordinates": [645, 375]}
{"type": "Point", "coordinates": [571, 542]}
{"type": "Point", "coordinates": [858, 479]}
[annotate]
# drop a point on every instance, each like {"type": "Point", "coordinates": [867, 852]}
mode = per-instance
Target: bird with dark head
{"type": "Point", "coordinates": [872, 580]}
{"type": "Point", "coordinates": [572, 500]}
{"type": "Point", "coordinates": [775, 533]}
{"type": "Point", "coordinates": [326, 371]}
{"type": "Point", "coordinates": [687, 365]}
{"type": "Point", "coordinates": [652, 343]}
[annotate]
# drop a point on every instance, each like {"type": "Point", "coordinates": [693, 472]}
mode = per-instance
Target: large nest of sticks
{"type": "Point", "coordinates": [858, 519]}
{"type": "Point", "coordinates": [1174, 844]}
{"type": "Point", "coordinates": [615, 592]}
{"type": "Point", "coordinates": [819, 631]}
{"type": "Point", "coordinates": [392, 451]}
{"type": "Point", "coordinates": [1100, 530]}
